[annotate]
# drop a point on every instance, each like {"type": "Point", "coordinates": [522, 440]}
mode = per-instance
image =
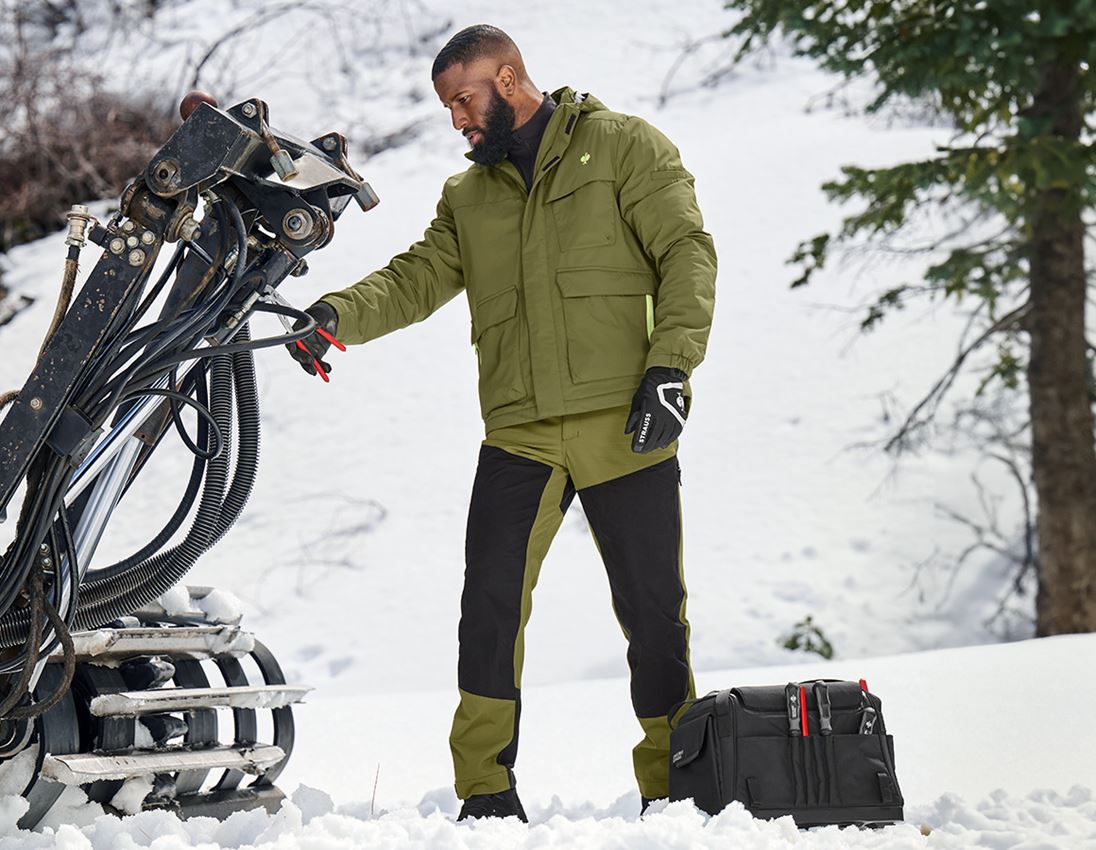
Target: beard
{"type": "Point", "coordinates": [497, 132]}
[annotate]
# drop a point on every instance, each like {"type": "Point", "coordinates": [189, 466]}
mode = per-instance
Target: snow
{"type": "Point", "coordinates": [129, 797]}
{"type": "Point", "coordinates": [213, 605]}
{"type": "Point", "coordinates": [348, 560]}
{"type": "Point", "coordinates": [981, 761]}
{"type": "Point", "coordinates": [175, 601]}
{"type": "Point", "coordinates": [1040, 821]}
{"type": "Point", "coordinates": [220, 606]}
{"type": "Point", "coordinates": [142, 738]}
{"type": "Point", "coordinates": [16, 773]}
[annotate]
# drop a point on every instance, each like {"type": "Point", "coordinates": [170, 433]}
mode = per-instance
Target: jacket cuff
{"type": "Point", "coordinates": [673, 361]}
{"type": "Point", "coordinates": [342, 326]}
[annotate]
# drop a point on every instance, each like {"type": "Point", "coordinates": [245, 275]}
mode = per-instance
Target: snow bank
{"type": "Point", "coordinates": [1040, 821]}
{"type": "Point", "coordinates": [980, 758]}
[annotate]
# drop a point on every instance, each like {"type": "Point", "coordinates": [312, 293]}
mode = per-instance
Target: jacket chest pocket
{"type": "Point", "coordinates": [489, 235]}
{"type": "Point", "coordinates": [584, 209]}
{"type": "Point", "coordinates": [608, 314]}
{"type": "Point", "coordinates": [497, 339]}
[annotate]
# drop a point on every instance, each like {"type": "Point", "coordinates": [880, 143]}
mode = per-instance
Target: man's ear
{"type": "Point", "coordinates": [506, 80]}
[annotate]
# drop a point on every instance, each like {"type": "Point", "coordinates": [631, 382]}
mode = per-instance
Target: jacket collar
{"type": "Point", "coordinates": [557, 135]}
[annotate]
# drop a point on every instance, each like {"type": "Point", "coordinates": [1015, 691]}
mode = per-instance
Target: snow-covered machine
{"type": "Point", "coordinates": [105, 670]}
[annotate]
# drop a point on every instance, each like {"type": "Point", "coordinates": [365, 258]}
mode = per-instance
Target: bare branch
{"type": "Point", "coordinates": [1030, 562]}
{"type": "Point", "coordinates": [931, 401]}
{"type": "Point", "coordinates": [690, 47]}
{"type": "Point", "coordinates": [260, 18]}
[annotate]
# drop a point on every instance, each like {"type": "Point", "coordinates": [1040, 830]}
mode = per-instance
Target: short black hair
{"type": "Point", "coordinates": [469, 44]}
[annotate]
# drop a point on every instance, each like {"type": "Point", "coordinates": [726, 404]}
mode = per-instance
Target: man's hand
{"type": "Point", "coordinates": [325, 317]}
{"type": "Point", "coordinates": [659, 408]}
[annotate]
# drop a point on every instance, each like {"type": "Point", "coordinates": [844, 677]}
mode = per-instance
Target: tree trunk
{"type": "Point", "coordinates": [1064, 458]}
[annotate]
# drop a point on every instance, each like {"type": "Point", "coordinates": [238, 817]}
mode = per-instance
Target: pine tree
{"type": "Point", "coordinates": [1014, 79]}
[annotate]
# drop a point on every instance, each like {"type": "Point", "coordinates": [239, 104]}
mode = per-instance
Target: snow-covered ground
{"type": "Point", "coordinates": [990, 747]}
{"type": "Point", "coordinates": [348, 560]}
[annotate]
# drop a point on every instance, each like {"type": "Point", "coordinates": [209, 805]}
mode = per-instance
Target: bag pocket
{"type": "Point", "coordinates": [497, 338]}
{"type": "Point", "coordinates": [768, 772]}
{"type": "Point", "coordinates": [605, 313]}
{"type": "Point", "coordinates": [696, 763]}
{"type": "Point", "coordinates": [864, 770]}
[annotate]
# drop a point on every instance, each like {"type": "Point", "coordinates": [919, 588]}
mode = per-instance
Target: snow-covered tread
{"type": "Point", "coordinates": [106, 646]}
{"type": "Point", "coordinates": [91, 767]}
{"type": "Point", "coordinates": [135, 703]}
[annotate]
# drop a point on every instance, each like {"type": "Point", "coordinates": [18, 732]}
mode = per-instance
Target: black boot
{"type": "Point", "coordinates": [501, 805]}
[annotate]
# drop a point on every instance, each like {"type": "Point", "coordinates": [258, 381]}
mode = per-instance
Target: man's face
{"type": "Point", "coordinates": [486, 118]}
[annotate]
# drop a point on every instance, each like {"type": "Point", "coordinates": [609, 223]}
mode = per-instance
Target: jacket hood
{"type": "Point", "coordinates": [568, 101]}
{"type": "Point", "coordinates": [585, 101]}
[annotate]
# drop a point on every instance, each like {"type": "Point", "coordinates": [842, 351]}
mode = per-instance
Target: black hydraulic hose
{"type": "Point", "coordinates": [197, 473]}
{"type": "Point", "coordinates": [247, 463]}
{"type": "Point", "coordinates": [188, 386]}
{"type": "Point", "coordinates": [126, 333]}
{"type": "Point", "coordinates": [46, 486]}
{"type": "Point", "coordinates": [203, 414]}
{"type": "Point", "coordinates": [64, 637]}
{"type": "Point", "coordinates": [167, 567]}
{"type": "Point", "coordinates": [199, 448]}
{"type": "Point", "coordinates": [189, 331]}
{"type": "Point", "coordinates": [106, 600]}
{"type": "Point", "coordinates": [142, 585]}
{"type": "Point", "coordinates": [33, 639]}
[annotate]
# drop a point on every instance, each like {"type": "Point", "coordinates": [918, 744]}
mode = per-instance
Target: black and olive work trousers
{"type": "Point", "coordinates": [527, 476]}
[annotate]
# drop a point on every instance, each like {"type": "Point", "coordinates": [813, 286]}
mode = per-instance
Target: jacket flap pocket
{"type": "Point", "coordinates": [494, 309]}
{"type": "Point", "coordinates": [687, 740]}
{"type": "Point", "coordinates": [575, 283]}
{"type": "Point", "coordinates": [569, 179]}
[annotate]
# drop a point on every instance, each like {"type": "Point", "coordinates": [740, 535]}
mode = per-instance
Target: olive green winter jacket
{"type": "Point", "coordinates": [598, 272]}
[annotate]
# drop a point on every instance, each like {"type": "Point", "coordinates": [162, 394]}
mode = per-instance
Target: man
{"type": "Point", "coordinates": [577, 239]}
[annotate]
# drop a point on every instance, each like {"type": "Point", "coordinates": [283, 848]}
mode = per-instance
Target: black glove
{"type": "Point", "coordinates": [659, 408]}
{"type": "Point", "coordinates": [325, 317]}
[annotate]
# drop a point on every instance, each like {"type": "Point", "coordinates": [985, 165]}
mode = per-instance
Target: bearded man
{"type": "Point", "coordinates": [576, 237]}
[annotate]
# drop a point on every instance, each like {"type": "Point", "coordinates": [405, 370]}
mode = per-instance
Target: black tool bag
{"type": "Point", "coordinates": [816, 750]}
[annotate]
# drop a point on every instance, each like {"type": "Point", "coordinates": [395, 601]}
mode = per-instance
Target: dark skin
{"type": "Point", "coordinates": [465, 90]}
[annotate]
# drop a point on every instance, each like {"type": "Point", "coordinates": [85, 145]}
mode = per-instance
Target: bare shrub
{"type": "Point", "coordinates": [63, 136]}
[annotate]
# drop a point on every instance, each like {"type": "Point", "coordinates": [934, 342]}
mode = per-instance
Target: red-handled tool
{"type": "Point", "coordinates": [273, 295]}
{"type": "Point", "coordinates": [330, 339]}
{"type": "Point", "coordinates": [315, 363]}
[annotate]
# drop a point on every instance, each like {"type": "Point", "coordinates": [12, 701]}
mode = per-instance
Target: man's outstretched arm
{"type": "Point", "coordinates": [412, 286]}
